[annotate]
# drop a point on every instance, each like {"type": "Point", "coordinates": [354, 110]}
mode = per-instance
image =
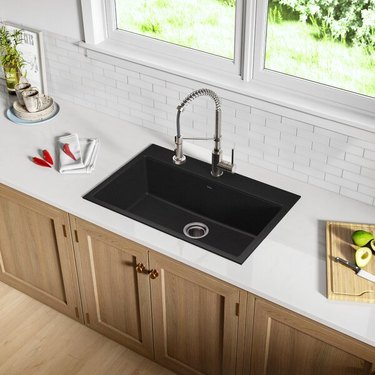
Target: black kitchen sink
{"type": "Point", "coordinates": [228, 215]}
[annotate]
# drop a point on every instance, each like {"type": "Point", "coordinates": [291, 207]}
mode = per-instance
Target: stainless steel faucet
{"type": "Point", "coordinates": [218, 164]}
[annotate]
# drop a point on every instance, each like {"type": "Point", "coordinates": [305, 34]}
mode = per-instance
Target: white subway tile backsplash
{"type": "Point", "coordinates": [279, 144]}
{"type": "Point", "coordinates": [262, 129]}
{"type": "Point", "coordinates": [154, 96]}
{"type": "Point", "coordinates": [142, 114]}
{"type": "Point", "coordinates": [295, 158]}
{"type": "Point", "coordinates": [298, 141]}
{"type": "Point", "coordinates": [87, 66]}
{"type": "Point", "coordinates": [309, 171]}
{"type": "Point", "coordinates": [303, 151]}
{"type": "Point", "coordinates": [358, 178]}
{"type": "Point", "coordinates": [167, 92]}
{"type": "Point", "coordinates": [81, 72]}
{"type": "Point", "coordinates": [370, 191]}
{"type": "Point", "coordinates": [369, 154]}
{"type": "Point", "coordinates": [312, 154]}
{"type": "Point", "coordinates": [83, 103]}
{"type": "Point", "coordinates": [139, 83]}
{"type": "Point", "coordinates": [360, 161]}
{"type": "Point", "coordinates": [297, 124]}
{"type": "Point", "coordinates": [154, 111]}
{"type": "Point", "coordinates": [131, 119]}
{"type": "Point", "coordinates": [263, 163]}
{"type": "Point", "coordinates": [361, 143]}
{"type": "Point", "coordinates": [267, 149]}
{"type": "Point", "coordinates": [140, 99]}
{"type": "Point", "coordinates": [129, 104]}
{"type": "Point", "coordinates": [346, 147]}
{"type": "Point", "coordinates": [293, 173]}
{"type": "Point", "coordinates": [342, 181]}
{"type": "Point", "coordinates": [104, 80]}
{"type": "Point", "coordinates": [329, 151]}
{"type": "Point", "coordinates": [333, 135]}
{"type": "Point", "coordinates": [103, 65]}
{"type": "Point", "coordinates": [279, 161]}
{"type": "Point", "coordinates": [356, 195]}
{"type": "Point", "coordinates": [266, 115]}
{"type": "Point", "coordinates": [368, 172]}
{"type": "Point", "coordinates": [322, 166]}
{"type": "Point", "coordinates": [241, 114]}
{"type": "Point", "coordinates": [324, 184]}
{"type": "Point", "coordinates": [244, 124]}
{"type": "Point", "coordinates": [312, 136]}
{"type": "Point", "coordinates": [257, 119]}
{"type": "Point", "coordinates": [343, 164]}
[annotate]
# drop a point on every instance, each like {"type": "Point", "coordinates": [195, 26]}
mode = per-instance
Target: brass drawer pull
{"type": "Point", "coordinates": [141, 268]}
{"type": "Point", "coordinates": [153, 274]}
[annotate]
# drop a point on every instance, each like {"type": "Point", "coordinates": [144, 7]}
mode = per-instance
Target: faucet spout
{"type": "Point", "coordinates": [218, 165]}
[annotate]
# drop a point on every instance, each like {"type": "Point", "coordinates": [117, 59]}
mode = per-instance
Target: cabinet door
{"type": "Point", "coordinates": [195, 319]}
{"type": "Point", "coordinates": [285, 343]}
{"type": "Point", "coordinates": [36, 252]}
{"type": "Point", "coordinates": [116, 298]}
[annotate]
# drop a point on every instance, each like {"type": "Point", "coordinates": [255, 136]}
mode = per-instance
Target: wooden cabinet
{"type": "Point", "coordinates": [186, 320]}
{"type": "Point", "coordinates": [116, 298]}
{"type": "Point", "coordinates": [36, 253]}
{"type": "Point", "coordinates": [195, 319]}
{"type": "Point", "coordinates": [193, 322]}
{"type": "Point", "coordinates": [285, 343]}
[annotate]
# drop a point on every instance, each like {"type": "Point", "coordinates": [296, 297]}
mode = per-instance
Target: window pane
{"type": "Point", "coordinates": [205, 25]}
{"type": "Point", "coordinates": [330, 42]}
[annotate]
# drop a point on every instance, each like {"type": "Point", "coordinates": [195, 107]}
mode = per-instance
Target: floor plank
{"type": "Point", "coordinates": [36, 340]}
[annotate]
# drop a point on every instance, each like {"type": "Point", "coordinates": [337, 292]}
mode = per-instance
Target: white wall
{"type": "Point", "coordinates": [61, 17]}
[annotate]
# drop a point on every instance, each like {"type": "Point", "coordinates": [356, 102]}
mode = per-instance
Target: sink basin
{"type": "Point", "coordinates": [228, 216]}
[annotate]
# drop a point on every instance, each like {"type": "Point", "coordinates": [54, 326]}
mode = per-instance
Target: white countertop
{"type": "Point", "coordinates": [288, 267]}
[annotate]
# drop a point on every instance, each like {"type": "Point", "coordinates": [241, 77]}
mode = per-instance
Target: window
{"type": "Point", "coordinates": [323, 42]}
{"type": "Point", "coordinates": [313, 55]}
{"type": "Point", "coordinates": [195, 31]}
{"type": "Point", "coordinates": [204, 25]}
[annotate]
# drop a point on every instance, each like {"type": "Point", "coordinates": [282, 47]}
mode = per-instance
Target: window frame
{"type": "Point", "coordinates": [300, 85]}
{"type": "Point", "coordinates": [171, 50]}
{"type": "Point", "coordinates": [247, 76]}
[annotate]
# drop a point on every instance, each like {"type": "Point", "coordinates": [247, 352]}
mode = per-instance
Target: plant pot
{"type": "Point", "coordinates": [12, 77]}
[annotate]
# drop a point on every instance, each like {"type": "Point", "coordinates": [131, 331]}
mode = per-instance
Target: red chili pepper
{"type": "Point", "coordinates": [66, 149]}
{"type": "Point", "coordinates": [40, 162]}
{"type": "Point", "coordinates": [47, 157]}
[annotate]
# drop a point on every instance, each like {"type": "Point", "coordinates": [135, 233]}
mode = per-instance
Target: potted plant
{"type": "Point", "coordinates": [11, 59]}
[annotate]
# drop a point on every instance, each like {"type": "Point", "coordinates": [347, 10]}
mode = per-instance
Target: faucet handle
{"type": "Point", "coordinates": [226, 165]}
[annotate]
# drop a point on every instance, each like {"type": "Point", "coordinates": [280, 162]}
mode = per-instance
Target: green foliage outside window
{"type": "Point", "coordinates": [350, 21]}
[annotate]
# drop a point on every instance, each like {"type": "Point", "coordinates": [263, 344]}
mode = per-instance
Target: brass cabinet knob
{"type": "Point", "coordinates": [140, 268]}
{"type": "Point", "coordinates": [154, 274]}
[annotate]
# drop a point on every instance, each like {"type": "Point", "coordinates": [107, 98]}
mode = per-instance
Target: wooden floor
{"type": "Point", "coordinates": [36, 340]}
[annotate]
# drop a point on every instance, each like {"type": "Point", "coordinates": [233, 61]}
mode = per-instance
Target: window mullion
{"type": "Point", "coordinates": [248, 39]}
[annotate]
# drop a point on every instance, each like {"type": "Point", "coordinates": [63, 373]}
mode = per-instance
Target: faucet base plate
{"type": "Point", "coordinates": [178, 160]}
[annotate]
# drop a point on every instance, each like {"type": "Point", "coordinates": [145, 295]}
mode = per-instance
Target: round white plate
{"type": "Point", "coordinates": [12, 117]}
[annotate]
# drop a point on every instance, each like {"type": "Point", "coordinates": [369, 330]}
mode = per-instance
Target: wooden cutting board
{"type": "Point", "coordinates": [342, 282]}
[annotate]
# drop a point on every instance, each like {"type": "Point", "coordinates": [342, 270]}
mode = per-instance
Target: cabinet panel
{"type": "Point", "coordinates": [285, 343]}
{"type": "Point", "coordinates": [195, 319]}
{"type": "Point", "coordinates": [116, 297]}
{"type": "Point", "coordinates": [36, 254]}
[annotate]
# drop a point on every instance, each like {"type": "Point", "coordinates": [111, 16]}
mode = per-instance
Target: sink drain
{"type": "Point", "coordinates": [196, 230]}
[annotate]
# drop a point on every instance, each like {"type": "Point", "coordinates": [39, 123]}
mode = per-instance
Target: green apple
{"type": "Point", "coordinates": [362, 256]}
{"type": "Point", "coordinates": [361, 237]}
